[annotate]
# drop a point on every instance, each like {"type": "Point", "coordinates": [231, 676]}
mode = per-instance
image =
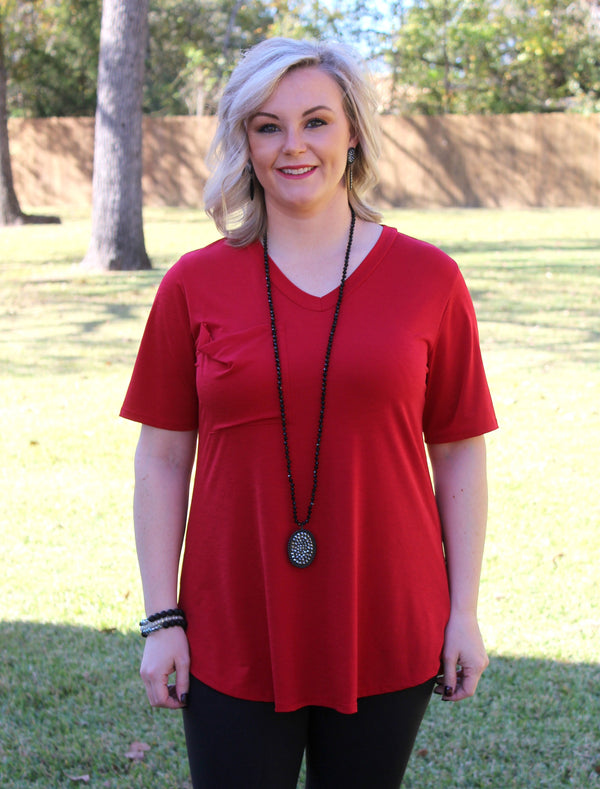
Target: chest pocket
{"type": "Point", "coordinates": [235, 376]}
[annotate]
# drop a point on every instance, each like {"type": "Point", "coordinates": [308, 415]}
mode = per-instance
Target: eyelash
{"type": "Point", "coordinates": [271, 128]}
{"type": "Point", "coordinates": [267, 128]}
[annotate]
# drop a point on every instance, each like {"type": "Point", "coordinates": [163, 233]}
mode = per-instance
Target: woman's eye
{"type": "Point", "coordinates": [315, 122]}
{"type": "Point", "coordinates": [267, 128]}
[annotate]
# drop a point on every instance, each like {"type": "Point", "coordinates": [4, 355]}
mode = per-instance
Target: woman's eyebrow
{"type": "Point", "coordinates": [266, 114]}
{"type": "Point", "coordinates": [315, 109]}
{"type": "Point", "coordinates": [276, 117]}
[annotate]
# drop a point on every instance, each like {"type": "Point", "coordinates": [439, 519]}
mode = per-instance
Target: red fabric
{"type": "Point", "coordinates": [368, 615]}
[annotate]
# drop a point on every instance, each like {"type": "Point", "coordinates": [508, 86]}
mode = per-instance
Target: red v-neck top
{"type": "Point", "coordinates": [368, 616]}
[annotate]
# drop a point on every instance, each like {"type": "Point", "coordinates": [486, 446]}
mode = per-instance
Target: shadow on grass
{"type": "Point", "coordinates": [73, 325]}
{"type": "Point", "coordinates": [71, 704]}
{"type": "Point", "coordinates": [536, 295]}
{"type": "Point", "coordinates": [533, 723]}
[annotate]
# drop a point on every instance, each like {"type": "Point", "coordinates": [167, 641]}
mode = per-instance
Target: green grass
{"type": "Point", "coordinates": [71, 702]}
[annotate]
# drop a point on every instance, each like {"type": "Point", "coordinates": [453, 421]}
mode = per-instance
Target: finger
{"type": "Point", "coordinates": [466, 684]}
{"type": "Point", "coordinates": [450, 678]}
{"type": "Point", "coordinates": [174, 697]}
{"type": "Point", "coordinates": [163, 695]}
{"type": "Point", "coordinates": [182, 681]}
{"type": "Point", "coordinates": [159, 691]}
{"type": "Point", "coordinates": [439, 684]}
{"type": "Point", "coordinates": [169, 697]}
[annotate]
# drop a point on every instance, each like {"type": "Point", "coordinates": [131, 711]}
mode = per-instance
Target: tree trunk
{"type": "Point", "coordinates": [10, 210]}
{"type": "Point", "coordinates": [117, 241]}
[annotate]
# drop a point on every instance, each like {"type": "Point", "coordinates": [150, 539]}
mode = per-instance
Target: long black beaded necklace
{"type": "Point", "coordinates": [302, 546]}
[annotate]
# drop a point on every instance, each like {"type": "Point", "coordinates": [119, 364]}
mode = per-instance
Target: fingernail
{"type": "Point", "coordinates": [448, 691]}
{"type": "Point", "coordinates": [183, 698]}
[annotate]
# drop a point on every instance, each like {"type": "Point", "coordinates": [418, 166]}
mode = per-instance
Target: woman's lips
{"type": "Point", "coordinates": [297, 172]}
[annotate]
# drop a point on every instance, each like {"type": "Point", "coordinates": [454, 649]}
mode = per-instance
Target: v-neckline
{"type": "Point", "coordinates": [322, 303]}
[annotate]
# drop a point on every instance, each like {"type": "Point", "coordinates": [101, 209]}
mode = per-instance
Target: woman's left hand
{"type": "Point", "coordinates": [464, 658]}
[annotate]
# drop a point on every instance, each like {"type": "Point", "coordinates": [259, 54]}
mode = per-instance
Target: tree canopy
{"type": "Point", "coordinates": [51, 53]}
{"type": "Point", "coordinates": [495, 57]}
{"type": "Point", "coordinates": [430, 56]}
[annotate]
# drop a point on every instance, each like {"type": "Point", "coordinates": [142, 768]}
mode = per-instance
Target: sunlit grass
{"type": "Point", "coordinates": [70, 699]}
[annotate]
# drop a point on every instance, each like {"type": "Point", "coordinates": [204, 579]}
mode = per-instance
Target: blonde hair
{"type": "Point", "coordinates": [227, 191]}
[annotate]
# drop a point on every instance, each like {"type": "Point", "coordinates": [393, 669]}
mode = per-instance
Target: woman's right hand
{"type": "Point", "coordinates": [166, 652]}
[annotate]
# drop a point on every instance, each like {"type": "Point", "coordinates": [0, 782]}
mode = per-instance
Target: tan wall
{"type": "Point", "coordinates": [488, 161]}
{"type": "Point", "coordinates": [479, 161]}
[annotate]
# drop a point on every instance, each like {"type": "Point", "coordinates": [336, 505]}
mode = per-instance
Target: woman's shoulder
{"type": "Point", "coordinates": [219, 251]}
{"type": "Point", "coordinates": [214, 260]}
{"type": "Point", "coordinates": [421, 256]}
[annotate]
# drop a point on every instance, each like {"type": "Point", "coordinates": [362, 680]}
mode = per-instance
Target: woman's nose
{"type": "Point", "coordinates": [294, 142]}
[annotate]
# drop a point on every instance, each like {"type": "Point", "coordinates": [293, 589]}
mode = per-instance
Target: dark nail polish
{"type": "Point", "coordinates": [448, 690]}
{"type": "Point", "coordinates": [183, 698]}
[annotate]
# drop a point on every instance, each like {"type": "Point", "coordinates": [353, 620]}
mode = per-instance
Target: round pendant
{"type": "Point", "coordinates": [301, 548]}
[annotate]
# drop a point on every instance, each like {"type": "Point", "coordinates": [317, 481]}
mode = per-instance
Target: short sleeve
{"type": "Point", "coordinates": [458, 404]}
{"type": "Point", "coordinates": [162, 390]}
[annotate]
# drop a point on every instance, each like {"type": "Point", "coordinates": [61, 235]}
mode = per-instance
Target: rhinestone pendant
{"type": "Point", "coordinates": [301, 548]}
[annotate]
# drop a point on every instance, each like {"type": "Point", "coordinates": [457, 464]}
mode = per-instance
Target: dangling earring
{"type": "Point", "coordinates": [250, 171]}
{"type": "Point", "coordinates": [350, 161]}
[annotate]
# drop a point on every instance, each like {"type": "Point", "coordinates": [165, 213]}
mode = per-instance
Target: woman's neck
{"type": "Point", "coordinates": [290, 228]}
{"type": "Point", "coordinates": [310, 250]}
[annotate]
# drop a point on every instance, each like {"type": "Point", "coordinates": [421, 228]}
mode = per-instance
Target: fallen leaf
{"type": "Point", "coordinates": [83, 779]}
{"type": "Point", "coordinates": [422, 752]}
{"type": "Point", "coordinates": [137, 750]}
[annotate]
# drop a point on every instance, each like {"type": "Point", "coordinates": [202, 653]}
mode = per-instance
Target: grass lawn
{"type": "Point", "coordinates": [71, 702]}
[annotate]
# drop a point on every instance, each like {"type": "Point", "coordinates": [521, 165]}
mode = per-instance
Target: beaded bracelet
{"type": "Point", "coordinates": [163, 614]}
{"type": "Point", "coordinates": [172, 617]}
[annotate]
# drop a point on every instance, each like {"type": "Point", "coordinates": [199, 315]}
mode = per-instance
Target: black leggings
{"type": "Point", "coordinates": [238, 744]}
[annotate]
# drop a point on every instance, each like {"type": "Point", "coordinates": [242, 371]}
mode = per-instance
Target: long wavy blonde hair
{"type": "Point", "coordinates": [227, 191]}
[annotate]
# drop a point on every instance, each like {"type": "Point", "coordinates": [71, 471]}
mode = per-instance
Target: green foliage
{"type": "Point", "coordinates": [442, 49]}
{"type": "Point", "coordinates": [433, 56]}
{"type": "Point", "coordinates": [195, 45]}
{"type": "Point", "coordinates": [556, 61]}
{"type": "Point", "coordinates": [192, 49]}
{"type": "Point", "coordinates": [52, 49]}
{"type": "Point", "coordinates": [495, 56]}
{"type": "Point", "coordinates": [52, 56]}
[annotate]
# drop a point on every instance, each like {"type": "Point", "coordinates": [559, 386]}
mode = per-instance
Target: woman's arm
{"type": "Point", "coordinates": [163, 466]}
{"type": "Point", "coordinates": [459, 474]}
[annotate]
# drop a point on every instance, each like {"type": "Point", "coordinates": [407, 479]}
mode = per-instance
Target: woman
{"type": "Point", "coordinates": [300, 362]}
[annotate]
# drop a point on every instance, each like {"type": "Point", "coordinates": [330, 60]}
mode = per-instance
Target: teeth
{"type": "Point", "coordinates": [296, 170]}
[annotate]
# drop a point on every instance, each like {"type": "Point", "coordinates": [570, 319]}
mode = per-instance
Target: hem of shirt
{"type": "Point", "coordinates": [461, 435]}
{"type": "Point", "coordinates": [345, 708]}
{"type": "Point", "coordinates": [144, 419]}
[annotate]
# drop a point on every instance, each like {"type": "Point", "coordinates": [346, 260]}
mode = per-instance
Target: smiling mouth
{"type": "Point", "coordinates": [296, 170]}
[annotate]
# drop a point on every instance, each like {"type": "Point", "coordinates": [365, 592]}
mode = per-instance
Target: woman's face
{"type": "Point", "coordinates": [299, 140]}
